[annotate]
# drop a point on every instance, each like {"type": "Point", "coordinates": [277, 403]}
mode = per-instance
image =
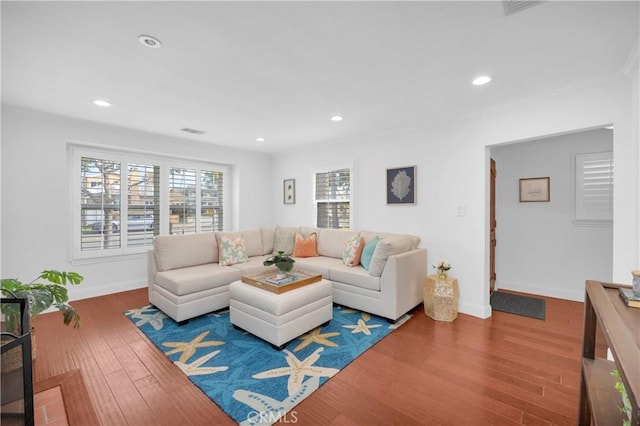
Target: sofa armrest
{"type": "Point", "coordinates": [402, 280]}
{"type": "Point", "coordinates": [152, 269]}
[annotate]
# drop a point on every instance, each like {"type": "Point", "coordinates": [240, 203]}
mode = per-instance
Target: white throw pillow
{"type": "Point", "coordinates": [385, 248]}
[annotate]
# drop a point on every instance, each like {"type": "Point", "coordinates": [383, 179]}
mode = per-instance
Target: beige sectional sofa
{"type": "Point", "coordinates": [186, 279]}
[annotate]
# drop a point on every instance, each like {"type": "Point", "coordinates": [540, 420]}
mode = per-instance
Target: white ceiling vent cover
{"type": "Point", "coordinates": [514, 6]}
{"type": "Point", "coordinates": [192, 131]}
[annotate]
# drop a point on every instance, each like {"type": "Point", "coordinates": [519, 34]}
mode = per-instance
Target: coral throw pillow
{"type": "Point", "coordinates": [353, 250]}
{"type": "Point", "coordinates": [231, 251]}
{"type": "Point", "coordinates": [306, 247]}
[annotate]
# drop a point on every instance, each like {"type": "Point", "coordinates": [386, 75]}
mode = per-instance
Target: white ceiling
{"type": "Point", "coordinates": [280, 70]}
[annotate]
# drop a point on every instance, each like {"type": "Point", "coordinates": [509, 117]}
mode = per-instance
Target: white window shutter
{"type": "Point", "coordinates": [594, 188]}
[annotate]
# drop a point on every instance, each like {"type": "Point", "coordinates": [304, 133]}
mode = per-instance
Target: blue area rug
{"type": "Point", "coordinates": [248, 379]}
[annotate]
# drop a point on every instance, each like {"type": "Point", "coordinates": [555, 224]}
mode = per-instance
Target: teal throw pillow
{"type": "Point", "coordinates": [367, 252]}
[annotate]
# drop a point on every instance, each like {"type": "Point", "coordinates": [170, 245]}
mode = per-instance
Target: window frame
{"type": "Point", "coordinates": [352, 190]}
{"type": "Point", "coordinates": [76, 151]}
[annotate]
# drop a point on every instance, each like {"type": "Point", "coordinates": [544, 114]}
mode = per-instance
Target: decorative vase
{"type": "Point", "coordinates": [442, 274]}
{"type": "Point", "coordinates": [636, 282]}
{"type": "Point", "coordinates": [284, 267]}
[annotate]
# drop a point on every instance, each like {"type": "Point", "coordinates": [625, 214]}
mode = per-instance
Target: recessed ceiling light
{"type": "Point", "coordinates": [479, 81]}
{"type": "Point", "coordinates": [149, 41]}
{"type": "Point", "coordinates": [336, 118]}
{"type": "Point", "coordinates": [259, 139]}
{"type": "Point", "coordinates": [102, 103]}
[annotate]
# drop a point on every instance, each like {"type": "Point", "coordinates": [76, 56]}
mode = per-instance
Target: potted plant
{"type": "Point", "coordinates": [283, 262]}
{"type": "Point", "coordinates": [42, 295]}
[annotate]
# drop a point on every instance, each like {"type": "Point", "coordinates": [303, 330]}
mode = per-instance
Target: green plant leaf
{"type": "Point", "coordinates": [75, 278]}
{"type": "Point", "coordinates": [69, 314]}
{"type": "Point", "coordinates": [10, 284]}
{"type": "Point", "coordinates": [42, 296]}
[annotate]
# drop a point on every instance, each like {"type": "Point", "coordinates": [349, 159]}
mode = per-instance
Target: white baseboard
{"type": "Point", "coordinates": [85, 292]}
{"type": "Point", "coordinates": [480, 311]}
{"type": "Point", "coordinates": [559, 293]}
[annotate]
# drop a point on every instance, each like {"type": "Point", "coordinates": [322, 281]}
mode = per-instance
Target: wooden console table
{"type": "Point", "coordinates": [620, 325]}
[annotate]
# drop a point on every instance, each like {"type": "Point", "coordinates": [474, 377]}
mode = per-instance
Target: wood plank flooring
{"type": "Point", "coordinates": [503, 370]}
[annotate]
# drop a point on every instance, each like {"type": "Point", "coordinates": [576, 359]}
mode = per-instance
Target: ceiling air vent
{"type": "Point", "coordinates": [514, 6]}
{"type": "Point", "coordinates": [193, 131]}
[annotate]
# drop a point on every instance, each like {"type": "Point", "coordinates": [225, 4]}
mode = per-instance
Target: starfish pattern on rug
{"type": "Point", "coordinates": [316, 337]}
{"type": "Point", "coordinates": [365, 316]}
{"type": "Point", "coordinates": [139, 311]}
{"type": "Point", "coordinates": [155, 320]}
{"type": "Point", "coordinates": [269, 410]}
{"type": "Point", "coordinates": [189, 348]}
{"type": "Point", "coordinates": [194, 368]}
{"type": "Point", "coordinates": [362, 327]}
{"type": "Point", "coordinates": [298, 370]}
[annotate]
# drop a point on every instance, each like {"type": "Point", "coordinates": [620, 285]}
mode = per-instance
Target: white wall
{"type": "Point", "coordinates": [539, 249]}
{"type": "Point", "coordinates": [35, 198]}
{"type": "Point", "coordinates": [453, 169]}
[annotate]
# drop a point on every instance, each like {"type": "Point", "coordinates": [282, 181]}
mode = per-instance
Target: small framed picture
{"type": "Point", "coordinates": [289, 190]}
{"type": "Point", "coordinates": [534, 189]}
{"type": "Point", "coordinates": [401, 185]}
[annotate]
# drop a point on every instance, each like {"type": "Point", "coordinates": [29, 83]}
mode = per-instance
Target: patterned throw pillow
{"type": "Point", "coordinates": [367, 252]}
{"type": "Point", "coordinates": [231, 251]}
{"type": "Point", "coordinates": [283, 240]}
{"type": "Point", "coordinates": [353, 250]}
{"type": "Point", "coordinates": [306, 247]}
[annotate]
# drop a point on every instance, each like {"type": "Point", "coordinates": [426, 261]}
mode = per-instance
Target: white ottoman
{"type": "Point", "coordinates": [279, 318]}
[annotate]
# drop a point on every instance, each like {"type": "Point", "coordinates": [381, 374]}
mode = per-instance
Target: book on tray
{"type": "Point", "coordinates": [281, 281]}
{"type": "Point", "coordinates": [629, 298]}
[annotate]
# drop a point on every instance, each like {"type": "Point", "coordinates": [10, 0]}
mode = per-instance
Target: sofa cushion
{"type": "Point", "coordinates": [385, 248]}
{"type": "Point", "coordinates": [306, 247]}
{"type": "Point", "coordinates": [368, 235]}
{"type": "Point", "coordinates": [253, 265]}
{"type": "Point", "coordinates": [283, 240]}
{"type": "Point", "coordinates": [367, 252]}
{"type": "Point", "coordinates": [331, 242]}
{"type": "Point", "coordinates": [231, 251]}
{"type": "Point", "coordinates": [268, 235]}
{"type": "Point", "coordinates": [196, 278]}
{"type": "Point", "coordinates": [181, 251]}
{"type": "Point", "coordinates": [355, 276]}
{"type": "Point", "coordinates": [353, 250]}
{"type": "Point", "coordinates": [308, 230]}
{"type": "Point", "coordinates": [317, 265]}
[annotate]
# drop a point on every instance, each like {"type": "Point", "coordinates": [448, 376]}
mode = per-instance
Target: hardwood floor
{"type": "Point", "coordinates": [504, 370]}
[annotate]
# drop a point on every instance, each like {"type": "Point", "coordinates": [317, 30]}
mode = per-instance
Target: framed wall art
{"type": "Point", "coordinates": [289, 191]}
{"type": "Point", "coordinates": [534, 189]}
{"type": "Point", "coordinates": [401, 185]}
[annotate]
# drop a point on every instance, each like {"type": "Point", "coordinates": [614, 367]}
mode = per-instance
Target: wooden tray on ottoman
{"type": "Point", "coordinates": [298, 279]}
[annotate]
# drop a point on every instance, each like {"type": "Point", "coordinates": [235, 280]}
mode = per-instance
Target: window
{"type": "Point", "coordinates": [182, 201]}
{"type": "Point", "coordinates": [154, 194]}
{"type": "Point", "coordinates": [333, 198]}
{"type": "Point", "coordinates": [142, 202]}
{"type": "Point", "coordinates": [593, 204]}
{"type": "Point", "coordinates": [99, 204]}
{"type": "Point", "coordinates": [211, 192]}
